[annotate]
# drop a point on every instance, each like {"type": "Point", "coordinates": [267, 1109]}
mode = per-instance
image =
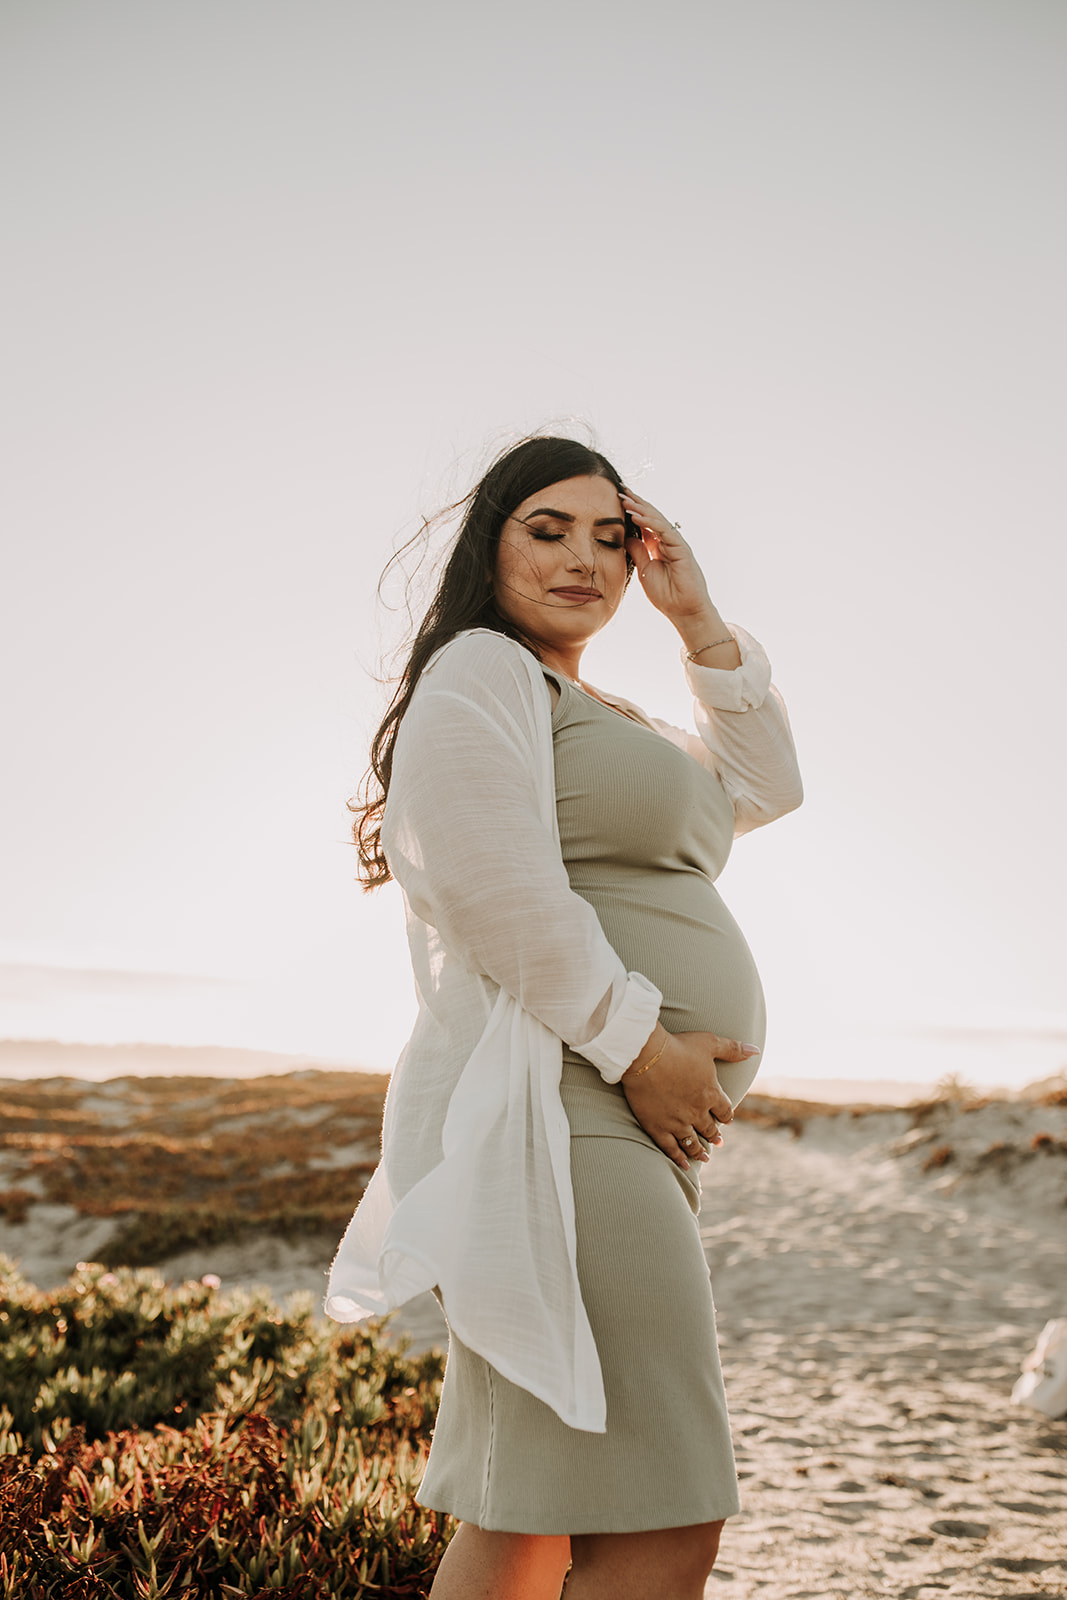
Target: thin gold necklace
{"type": "Point", "coordinates": [578, 684]}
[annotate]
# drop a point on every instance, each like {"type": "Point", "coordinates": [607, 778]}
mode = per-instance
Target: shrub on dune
{"type": "Point", "coordinates": [157, 1441]}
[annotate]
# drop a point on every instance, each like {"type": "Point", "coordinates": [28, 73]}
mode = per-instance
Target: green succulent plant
{"type": "Point", "coordinates": [161, 1441]}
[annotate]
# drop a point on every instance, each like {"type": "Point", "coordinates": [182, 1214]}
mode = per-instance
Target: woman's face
{"type": "Point", "coordinates": [561, 564]}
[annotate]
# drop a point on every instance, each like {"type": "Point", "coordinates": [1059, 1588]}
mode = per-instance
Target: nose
{"type": "Point", "coordinates": [581, 552]}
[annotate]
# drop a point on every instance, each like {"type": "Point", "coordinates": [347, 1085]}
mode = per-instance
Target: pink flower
{"type": "Point", "coordinates": [211, 1280]}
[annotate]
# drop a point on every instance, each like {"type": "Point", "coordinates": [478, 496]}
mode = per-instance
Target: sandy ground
{"type": "Point", "coordinates": [880, 1276]}
{"type": "Point", "coordinates": [872, 1320]}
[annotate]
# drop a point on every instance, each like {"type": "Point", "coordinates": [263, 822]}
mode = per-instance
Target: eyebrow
{"type": "Point", "coordinates": [564, 516]}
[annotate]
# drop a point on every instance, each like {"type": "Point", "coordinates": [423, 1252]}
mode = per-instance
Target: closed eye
{"type": "Point", "coordinates": [553, 538]}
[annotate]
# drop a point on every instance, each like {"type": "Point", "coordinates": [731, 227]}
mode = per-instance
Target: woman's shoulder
{"type": "Point", "coordinates": [477, 682]}
{"type": "Point", "coordinates": [481, 656]}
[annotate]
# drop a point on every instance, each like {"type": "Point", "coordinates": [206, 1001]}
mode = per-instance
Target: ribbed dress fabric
{"type": "Point", "coordinates": [644, 831]}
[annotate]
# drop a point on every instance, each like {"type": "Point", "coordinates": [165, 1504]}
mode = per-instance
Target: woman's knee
{"type": "Point", "coordinates": [692, 1551]}
{"type": "Point", "coordinates": [705, 1545]}
{"type": "Point", "coordinates": [480, 1562]}
{"type": "Point", "coordinates": [679, 1560]}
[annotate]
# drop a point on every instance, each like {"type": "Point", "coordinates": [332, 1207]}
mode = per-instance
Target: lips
{"type": "Point", "coordinates": [578, 594]}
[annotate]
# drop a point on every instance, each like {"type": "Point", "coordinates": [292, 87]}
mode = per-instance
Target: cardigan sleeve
{"type": "Point", "coordinates": [464, 836]}
{"type": "Point", "coordinates": [743, 735]}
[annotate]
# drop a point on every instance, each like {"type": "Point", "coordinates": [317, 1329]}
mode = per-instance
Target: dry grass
{"type": "Point", "coordinates": [183, 1162]}
{"type": "Point", "coordinates": [192, 1163]}
{"type": "Point", "coordinates": [938, 1158]}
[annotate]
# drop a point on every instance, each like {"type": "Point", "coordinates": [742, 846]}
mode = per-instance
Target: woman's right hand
{"type": "Point", "coordinates": [678, 1098]}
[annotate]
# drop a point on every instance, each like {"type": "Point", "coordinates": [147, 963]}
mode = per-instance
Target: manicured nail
{"type": "Point", "coordinates": [753, 1049]}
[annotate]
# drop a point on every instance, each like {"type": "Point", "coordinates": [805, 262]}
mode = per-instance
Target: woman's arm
{"type": "Point", "coordinates": [743, 735]}
{"type": "Point", "coordinates": [466, 836]}
{"type": "Point", "coordinates": [743, 729]}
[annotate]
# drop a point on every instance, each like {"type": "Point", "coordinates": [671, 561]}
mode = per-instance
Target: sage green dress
{"type": "Point", "coordinates": [644, 831]}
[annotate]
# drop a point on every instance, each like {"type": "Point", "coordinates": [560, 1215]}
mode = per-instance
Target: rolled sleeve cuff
{"type": "Point", "coordinates": [740, 688]}
{"type": "Point", "coordinates": [613, 1049]}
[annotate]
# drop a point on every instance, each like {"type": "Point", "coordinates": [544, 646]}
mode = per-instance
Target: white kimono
{"type": "Point", "coordinates": [473, 1191]}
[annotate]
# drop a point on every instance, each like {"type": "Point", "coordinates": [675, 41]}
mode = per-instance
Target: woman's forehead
{"type": "Point", "coordinates": [573, 497]}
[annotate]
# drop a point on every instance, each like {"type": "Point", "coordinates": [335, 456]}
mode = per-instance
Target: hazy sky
{"type": "Point", "coordinates": [278, 276]}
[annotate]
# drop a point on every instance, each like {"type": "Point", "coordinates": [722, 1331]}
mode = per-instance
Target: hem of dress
{"type": "Point", "coordinates": [549, 1527]}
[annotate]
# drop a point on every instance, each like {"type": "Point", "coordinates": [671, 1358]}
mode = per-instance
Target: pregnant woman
{"type": "Point", "coordinates": [589, 1014]}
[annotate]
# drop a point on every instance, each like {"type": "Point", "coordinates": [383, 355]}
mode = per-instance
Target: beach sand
{"type": "Point", "coordinates": [873, 1316]}
{"type": "Point", "coordinates": [880, 1275]}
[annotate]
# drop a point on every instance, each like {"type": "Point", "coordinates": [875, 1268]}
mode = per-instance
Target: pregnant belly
{"type": "Point", "coordinates": [675, 928]}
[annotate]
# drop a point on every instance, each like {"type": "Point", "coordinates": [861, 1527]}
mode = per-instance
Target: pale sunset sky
{"type": "Point", "coordinates": [280, 276]}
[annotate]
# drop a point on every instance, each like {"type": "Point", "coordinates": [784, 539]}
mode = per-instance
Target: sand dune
{"type": "Point", "coordinates": [880, 1275]}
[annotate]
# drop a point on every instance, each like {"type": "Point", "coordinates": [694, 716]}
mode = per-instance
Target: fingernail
{"type": "Point", "coordinates": [753, 1049]}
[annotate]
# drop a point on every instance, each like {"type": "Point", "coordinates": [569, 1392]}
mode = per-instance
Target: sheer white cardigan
{"type": "Point", "coordinates": [473, 1191]}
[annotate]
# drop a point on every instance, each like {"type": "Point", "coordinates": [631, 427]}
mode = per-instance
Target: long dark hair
{"type": "Point", "coordinates": [464, 599]}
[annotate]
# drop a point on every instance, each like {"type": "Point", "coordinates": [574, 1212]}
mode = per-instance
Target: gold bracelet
{"type": "Point", "coordinates": [655, 1058]}
{"type": "Point", "coordinates": [691, 655]}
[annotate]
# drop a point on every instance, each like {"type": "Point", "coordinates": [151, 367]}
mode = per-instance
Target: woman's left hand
{"type": "Point", "coordinates": [669, 571]}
